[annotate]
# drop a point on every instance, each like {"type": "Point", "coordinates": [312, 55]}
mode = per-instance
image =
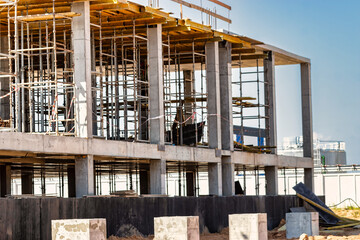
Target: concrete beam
{"type": "Point", "coordinates": [22, 144]}
{"type": "Point", "coordinates": [84, 176]}
{"type": "Point", "coordinates": [228, 171]}
{"type": "Point", "coordinates": [4, 82]}
{"type": "Point", "coordinates": [213, 91]}
{"type": "Point", "coordinates": [255, 159]}
{"type": "Point", "coordinates": [82, 69]}
{"type": "Point", "coordinates": [307, 125]}
{"type": "Point", "coordinates": [225, 69]}
{"type": "Point", "coordinates": [156, 85]}
{"type": "Point", "coordinates": [270, 101]}
{"type": "Point", "coordinates": [5, 180]}
{"type": "Point", "coordinates": [27, 184]}
{"type": "Point", "coordinates": [271, 177]}
{"type": "Point", "coordinates": [215, 179]}
{"type": "Point", "coordinates": [157, 176]}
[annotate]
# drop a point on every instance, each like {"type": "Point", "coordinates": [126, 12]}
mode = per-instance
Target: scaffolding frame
{"type": "Point", "coordinates": [42, 97]}
{"type": "Point", "coordinates": [242, 104]}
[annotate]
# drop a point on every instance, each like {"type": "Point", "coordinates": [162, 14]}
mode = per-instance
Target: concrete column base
{"type": "Point", "coordinates": [80, 229]}
{"type": "Point", "coordinates": [5, 180]}
{"type": "Point", "coordinates": [190, 184]}
{"type": "Point", "coordinates": [27, 185]}
{"type": "Point", "coordinates": [144, 182]}
{"type": "Point", "coordinates": [248, 226]}
{"type": "Point", "coordinates": [302, 222]}
{"type": "Point", "coordinates": [177, 228]}
{"type": "Point", "coordinates": [71, 181]}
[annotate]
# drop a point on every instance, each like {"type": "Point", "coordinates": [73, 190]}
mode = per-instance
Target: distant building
{"type": "Point", "coordinates": [326, 152]}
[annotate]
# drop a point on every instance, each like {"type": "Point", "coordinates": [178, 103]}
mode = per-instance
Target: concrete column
{"type": "Point", "coordinates": [27, 184]}
{"type": "Point", "coordinates": [4, 82]}
{"type": "Point", "coordinates": [71, 181]}
{"type": "Point", "coordinates": [213, 90]}
{"type": "Point", "coordinates": [270, 101]}
{"type": "Point", "coordinates": [5, 180]}
{"type": "Point", "coordinates": [228, 170]}
{"type": "Point", "coordinates": [227, 139]}
{"type": "Point", "coordinates": [144, 182]}
{"type": "Point", "coordinates": [93, 91]}
{"type": "Point", "coordinates": [82, 69]}
{"type": "Point", "coordinates": [157, 176]}
{"type": "Point", "coordinates": [84, 175]}
{"type": "Point", "coordinates": [271, 177]}
{"type": "Point", "coordinates": [309, 178]}
{"type": "Point", "coordinates": [156, 85]}
{"type": "Point", "coordinates": [215, 179]}
{"type": "Point", "coordinates": [307, 121]}
{"type": "Point", "coordinates": [189, 88]}
{"type": "Point", "coordinates": [190, 184]}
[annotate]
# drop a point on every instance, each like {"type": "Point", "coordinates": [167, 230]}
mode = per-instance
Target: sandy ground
{"type": "Point", "coordinates": [342, 234]}
{"type": "Point", "coordinates": [348, 234]}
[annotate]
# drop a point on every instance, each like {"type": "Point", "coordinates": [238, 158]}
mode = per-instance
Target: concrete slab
{"type": "Point", "coordinates": [248, 226]}
{"type": "Point", "coordinates": [298, 223]}
{"type": "Point", "coordinates": [23, 143]}
{"type": "Point", "coordinates": [79, 229]}
{"type": "Point", "coordinates": [177, 228]}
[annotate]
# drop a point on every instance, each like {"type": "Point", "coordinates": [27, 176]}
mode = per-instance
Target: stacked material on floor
{"type": "Point", "coordinates": [4, 123]}
{"type": "Point", "coordinates": [30, 196]}
{"type": "Point", "coordinates": [125, 193]}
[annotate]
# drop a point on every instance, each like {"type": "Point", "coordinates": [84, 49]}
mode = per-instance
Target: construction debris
{"type": "Point", "coordinates": [335, 221]}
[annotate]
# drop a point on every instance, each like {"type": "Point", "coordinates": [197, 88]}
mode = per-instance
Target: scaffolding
{"type": "Point", "coordinates": [249, 103]}
{"type": "Point", "coordinates": [121, 84]}
{"type": "Point", "coordinates": [40, 72]}
{"type": "Point", "coordinates": [185, 95]}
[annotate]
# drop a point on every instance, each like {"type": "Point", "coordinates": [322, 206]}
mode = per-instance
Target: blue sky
{"type": "Point", "coordinates": [327, 32]}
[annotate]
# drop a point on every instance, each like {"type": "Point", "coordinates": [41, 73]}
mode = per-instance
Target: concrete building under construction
{"type": "Point", "coordinates": [103, 88]}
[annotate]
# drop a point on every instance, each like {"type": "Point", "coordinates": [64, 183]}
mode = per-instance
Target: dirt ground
{"type": "Point", "coordinates": [341, 234]}
{"type": "Point", "coordinates": [348, 234]}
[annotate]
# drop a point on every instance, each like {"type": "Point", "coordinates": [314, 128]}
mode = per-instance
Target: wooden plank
{"type": "Point", "coordinates": [251, 57]}
{"type": "Point", "coordinates": [195, 25]}
{"type": "Point", "coordinates": [190, 5]}
{"type": "Point", "coordinates": [115, 6]}
{"type": "Point", "coordinates": [158, 13]}
{"type": "Point", "coordinates": [243, 50]}
{"type": "Point", "coordinates": [231, 38]}
{"type": "Point", "coordinates": [221, 4]}
{"type": "Point", "coordinates": [48, 16]}
{"type": "Point", "coordinates": [191, 36]}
